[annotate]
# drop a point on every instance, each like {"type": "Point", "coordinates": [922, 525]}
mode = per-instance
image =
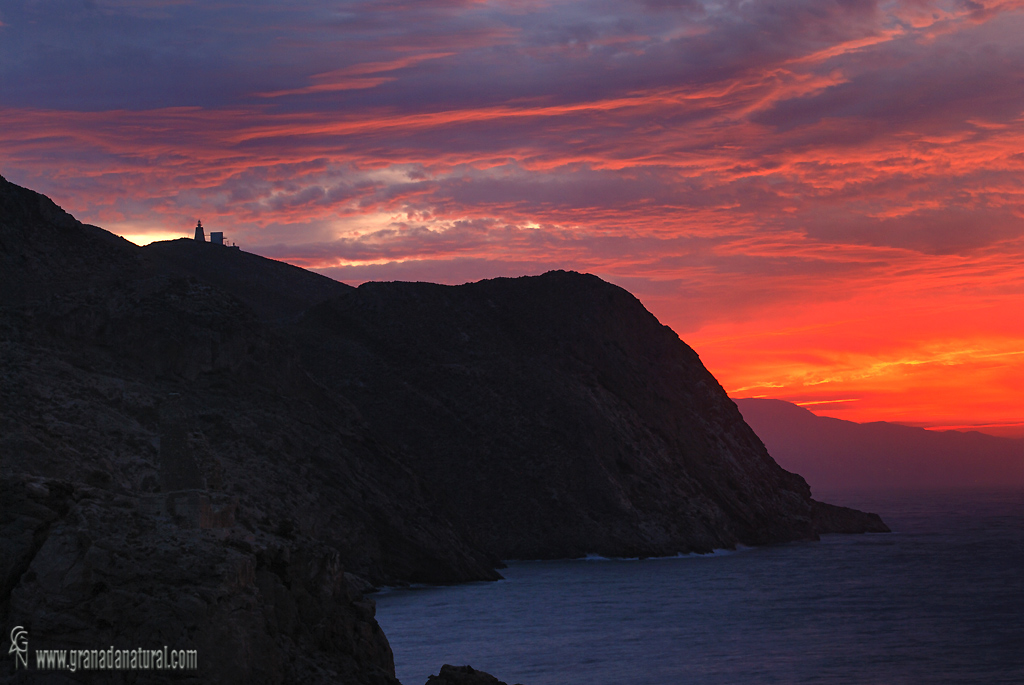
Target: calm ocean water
{"type": "Point", "coordinates": [941, 600]}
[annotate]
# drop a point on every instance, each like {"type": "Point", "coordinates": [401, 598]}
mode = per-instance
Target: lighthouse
{"type": "Point", "coordinates": [200, 233]}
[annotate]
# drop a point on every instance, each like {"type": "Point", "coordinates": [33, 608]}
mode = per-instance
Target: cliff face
{"type": "Point", "coordinates": [188, 457]}
{"type": "Point", "coordinates": [554, 416]}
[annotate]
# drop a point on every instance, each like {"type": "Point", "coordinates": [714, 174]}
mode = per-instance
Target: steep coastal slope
{"type": "Point", "coordinates": [835, 455]}
{"type": "Point", "coordinates": [555, 417]}
{"type": "Point", "coordinates": [203, 448]}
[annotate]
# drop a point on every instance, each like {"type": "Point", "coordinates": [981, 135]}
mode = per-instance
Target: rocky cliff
{"type": "Point", "coordinates": [555, 416]}
{"type": "Point", "coordinates": [204, 448]}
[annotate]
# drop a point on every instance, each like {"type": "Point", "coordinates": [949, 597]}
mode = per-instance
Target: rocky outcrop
{"type": "Point", "coordinates": [830, 518]}
{"type": "Point", "coordinates": [462, 675]}
{"type": "Point", "coordinates": [86, 567]}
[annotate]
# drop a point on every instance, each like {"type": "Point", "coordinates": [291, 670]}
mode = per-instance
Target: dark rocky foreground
{"type": "Point", "coordinates": [207, 449]}
{"type": "Point", "coordinates": [462, 675]}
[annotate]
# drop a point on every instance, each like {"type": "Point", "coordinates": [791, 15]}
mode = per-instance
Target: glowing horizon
{"type": "Point", "coordinates": [824, 199]}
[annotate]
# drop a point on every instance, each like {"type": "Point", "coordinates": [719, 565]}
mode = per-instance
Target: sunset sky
{"type": "Point", "coordinates": [824, 198]}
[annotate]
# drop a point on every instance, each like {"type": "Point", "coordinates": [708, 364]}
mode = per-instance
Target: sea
{"type": "Point", "coordinates": [938, 600]}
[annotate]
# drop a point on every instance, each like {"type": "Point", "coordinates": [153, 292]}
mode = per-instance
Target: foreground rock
{"type": "Point", "coordinates": [830, 518]}
{"type": "Point", "coordinates": [87, 568]}
{"type": "Point", "coordinates": [462, 675]}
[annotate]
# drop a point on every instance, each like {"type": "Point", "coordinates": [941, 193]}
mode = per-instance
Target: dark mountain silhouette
{"type": "Point", "coordinates": [204, 448]}
{"type": "Point", "coordinates": [835, 455]}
